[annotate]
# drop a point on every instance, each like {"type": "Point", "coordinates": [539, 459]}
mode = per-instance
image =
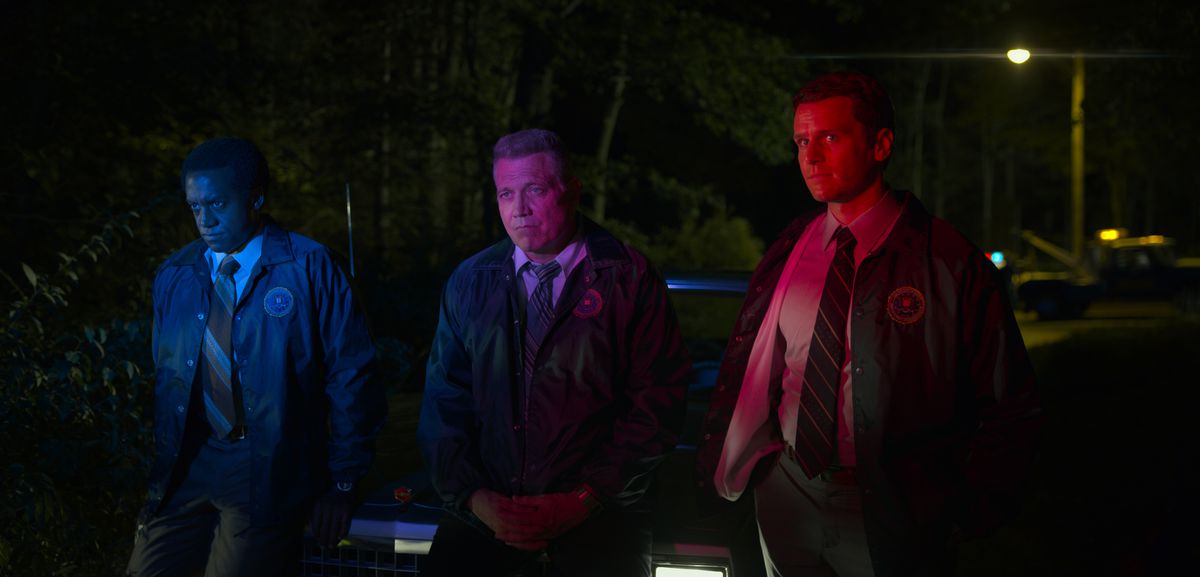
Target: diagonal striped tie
{"type": "Point", "coordinates": [816, 426]}
{"type": "Point", "coordinates": [539, 312]}
{"type": "Point", "coordinates": [217, 374]}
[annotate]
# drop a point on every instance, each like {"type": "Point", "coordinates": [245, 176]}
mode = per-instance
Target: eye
{"type": "Point", "coordinates": [801, 142]}
{"type": "Point", "coordinates": [536, 190]}
{"type": "Point", "coordinates": [194, 206]}
{"type": "Point", "coordinates": [504, 194]}
{"type": "Point", "coordinates": [218, 204]}
{"type": "Point", "coordinates": [830, 138]}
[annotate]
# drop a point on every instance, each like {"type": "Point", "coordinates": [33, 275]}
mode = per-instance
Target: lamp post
{"type": "Point", "coordinates": [1020, 56]}
{"type": "Point", "coordinates": [1077, 158]}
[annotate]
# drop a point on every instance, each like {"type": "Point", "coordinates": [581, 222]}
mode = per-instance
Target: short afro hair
{"type": "Point", "coordinates": [249, 166]}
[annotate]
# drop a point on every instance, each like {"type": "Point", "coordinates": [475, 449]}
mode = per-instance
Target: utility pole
{"type": "Point", "coordinates": [1077, 158]}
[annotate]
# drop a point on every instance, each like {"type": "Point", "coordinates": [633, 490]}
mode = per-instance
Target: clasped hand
{"type": "Point", "coordinates": [528, 522]}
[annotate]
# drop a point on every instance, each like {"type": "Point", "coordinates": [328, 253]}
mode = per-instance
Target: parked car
{"type": "Point", "coordinates": [1114, 266]}
{"type": "Point", "coordinates": [392, 530]}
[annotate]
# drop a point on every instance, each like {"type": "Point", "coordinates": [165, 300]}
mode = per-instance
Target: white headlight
{"type": "Point", "coordinates": [677, 571]}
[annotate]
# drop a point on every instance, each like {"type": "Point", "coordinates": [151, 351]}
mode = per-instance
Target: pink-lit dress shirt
{"type": "Point", "coordinates": [798, 315]}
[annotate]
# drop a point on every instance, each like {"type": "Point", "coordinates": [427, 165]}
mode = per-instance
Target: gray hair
{"type": "Point", "coordinates": [533, 141]}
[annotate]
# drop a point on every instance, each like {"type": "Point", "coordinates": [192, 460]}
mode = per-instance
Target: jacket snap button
{"type": "Point", "coordinates": [737, 339]}
{"type": "Point", "coordinates": [707, 436]}
{"type": "Point", "coordinates": [200, 316]}
{"type": "Point", "coordinates": [180, 409]}
{"type": "Point", "coordinates": [758, 289]}
{"type": "Point", "coordinates": [191, 362]}
{"type": "Point", "coordinates": [858, 370]}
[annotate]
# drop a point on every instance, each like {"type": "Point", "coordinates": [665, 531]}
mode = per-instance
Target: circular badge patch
{"type": "Point", "coordinates": [590, 305]}
{"type": "Point", "coordinates": [906, 305]}
{"type": "Point", "coordinates": [278, 301]}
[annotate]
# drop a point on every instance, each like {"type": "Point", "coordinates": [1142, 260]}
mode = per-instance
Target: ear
{"type": "Point", "coordinates": [258, 202]}
{"type": "Point", "coordinates": [883, 144]}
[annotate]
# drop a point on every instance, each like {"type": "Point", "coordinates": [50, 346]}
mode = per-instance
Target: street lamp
{"type": "Point", "coordinates": [1020, 56]}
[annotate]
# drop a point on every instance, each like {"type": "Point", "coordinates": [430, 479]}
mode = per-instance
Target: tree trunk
{"type": "Point", "coordinates": [382, 199]}
{"type": "Point", "coordinates": [620, 79]}
{"type": "Point", "coordinates": [939, 126]}
{"type": "Point", "coordinates": [987, 172]}
{"type": "Point", "coordinates": [918, 128]}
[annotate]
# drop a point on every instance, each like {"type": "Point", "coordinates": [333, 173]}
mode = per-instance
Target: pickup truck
{"type": "Point", "coordinates": [1114, 266]}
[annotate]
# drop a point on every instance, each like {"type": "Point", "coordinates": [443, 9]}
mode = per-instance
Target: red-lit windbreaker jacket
{"type": "Point", "coordinates": [945, 407]}
{"type": "Point", "coordinates": [606, 401]}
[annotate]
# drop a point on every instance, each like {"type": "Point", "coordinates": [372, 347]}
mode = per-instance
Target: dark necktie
{"type": "Point", "coordinates": [816, 427]}
{"type": "Point", "coordinates": [539, 312]}
{"type": "Point", "coordinates": [218, 374]}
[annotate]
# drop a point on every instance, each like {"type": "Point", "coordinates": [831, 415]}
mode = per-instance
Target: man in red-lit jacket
{"type": "Point", "coordinates": [875, 397]}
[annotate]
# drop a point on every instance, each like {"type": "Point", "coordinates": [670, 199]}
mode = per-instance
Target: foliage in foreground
{"type": "Point", "coordinates": [75, 423]}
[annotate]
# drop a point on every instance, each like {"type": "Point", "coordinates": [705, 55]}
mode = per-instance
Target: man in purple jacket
{"type": "Point", "coordinates": [555, 386]}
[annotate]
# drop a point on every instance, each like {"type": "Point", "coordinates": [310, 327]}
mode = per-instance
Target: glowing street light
{"type": "Point", "coordinates": [1018, 55]}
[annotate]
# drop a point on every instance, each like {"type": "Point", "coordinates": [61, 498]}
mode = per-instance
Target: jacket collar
{"type": "Point", "coordinates": [603, 249]}
{"type": "Point", "coordinates": [276, 248]}
{"type": "Point", "coordinates": [911, 233]}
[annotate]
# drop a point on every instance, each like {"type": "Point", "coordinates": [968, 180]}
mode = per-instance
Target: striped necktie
{"type": "Point", "coordinates": [539, 312]}
{"type": "Point", "coordinates": [219, 377]}
{"type": "Point", "coordinates": [816, 427]}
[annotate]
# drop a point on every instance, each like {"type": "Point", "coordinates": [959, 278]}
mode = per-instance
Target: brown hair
{"type": "Point", "coordinates": [872, 106]}
{"type": "Point", "coordinates": [533, 141]}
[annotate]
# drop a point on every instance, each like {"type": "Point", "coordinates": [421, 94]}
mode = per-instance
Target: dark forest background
{"type": "Point", "coordinates": [678, 114]}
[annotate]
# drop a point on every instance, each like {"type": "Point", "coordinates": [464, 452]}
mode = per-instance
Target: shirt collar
{"type": "Point", "coordinates": [869, 227]}
{"type": "Point", "coordinates": [246, 258]}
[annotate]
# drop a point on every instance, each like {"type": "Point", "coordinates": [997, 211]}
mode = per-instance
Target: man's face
{"type": "Point", "coordinates": [538, 210]}
{"type": "Point", "coordinates": [225, 215]}
{"type": "Point", "coordinates": [838, 158]}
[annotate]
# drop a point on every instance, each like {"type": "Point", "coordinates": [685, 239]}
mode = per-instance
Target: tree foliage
{"type": "Point", "coordinates": [74, 423]}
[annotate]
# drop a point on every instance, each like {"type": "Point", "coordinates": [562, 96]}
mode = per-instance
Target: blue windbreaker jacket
{"type": "Point", "coordinates": [304, 360]}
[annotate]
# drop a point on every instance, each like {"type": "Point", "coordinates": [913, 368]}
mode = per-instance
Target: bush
{"type": "Point", "coordinates": [75, 424]}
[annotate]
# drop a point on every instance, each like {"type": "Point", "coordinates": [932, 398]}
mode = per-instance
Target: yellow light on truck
{"type": "Point", "coordinates": [1109, 234]}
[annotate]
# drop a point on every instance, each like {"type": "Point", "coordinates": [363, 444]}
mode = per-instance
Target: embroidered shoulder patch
{"type": "Point", "coordinates": [278, 302]}
{"type": "Point", "coordinates": [590, 305]}
{"type": "Point", "coordinates": [906, 305]}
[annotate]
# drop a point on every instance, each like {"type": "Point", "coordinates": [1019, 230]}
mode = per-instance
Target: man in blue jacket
{"type": "Point", "coordinates": [555, 385]}
{"type": "Point", "coordinates": [265, 409]}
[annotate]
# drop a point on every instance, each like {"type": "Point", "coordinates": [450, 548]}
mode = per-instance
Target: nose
{"type": "Point", "coordinates": [812, 154]}
{"type": "Point", "coordinates": [205, 219]}
{"type": "Point", "coordinates": [521, 205]}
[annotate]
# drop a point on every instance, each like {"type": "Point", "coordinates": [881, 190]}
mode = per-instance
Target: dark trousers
{"type": "Point", "coordinates": [204, 526]}
{"type": "Point", "coordinates": [612, 543]}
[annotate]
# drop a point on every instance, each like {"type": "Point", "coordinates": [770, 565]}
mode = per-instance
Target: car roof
{"type": "Point", "coordinates": [734, 283]}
